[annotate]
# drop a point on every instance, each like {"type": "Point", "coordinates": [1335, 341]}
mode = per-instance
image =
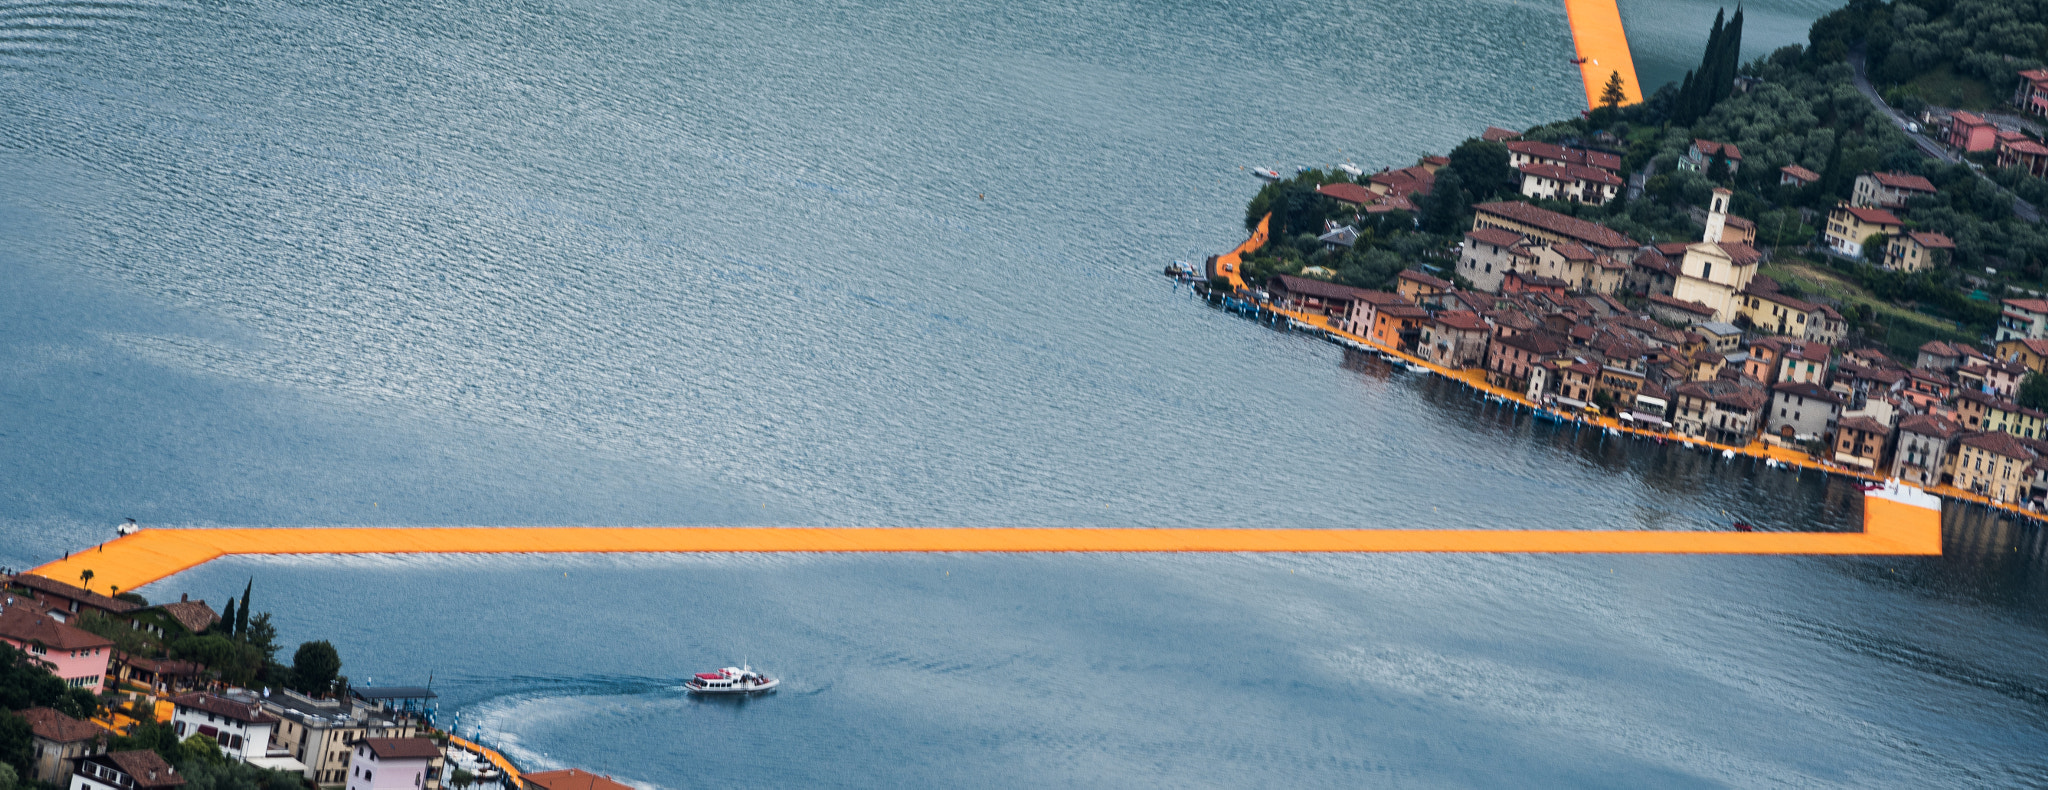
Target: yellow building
{"type": "Point", "coordinates": [1849, 225]}
{"type": "Point", "coordinates": [1911, 252]}
{"type": "Point", "coordinates": [2031, 352]}
{"type": "Point", "coordinates": [2014, 419]}
{"type": "Point", "coordinates": [1713, 271]}
{"type": "Point", "coordinates": [1993, 464]}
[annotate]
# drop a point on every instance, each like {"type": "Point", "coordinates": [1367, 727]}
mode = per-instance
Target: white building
{"type": "Point", "coordinates": [394, 764]}
{"type": "Point", "coordinates": [142, 770]}
{"type": "Point", "coordinates": [241, 727]}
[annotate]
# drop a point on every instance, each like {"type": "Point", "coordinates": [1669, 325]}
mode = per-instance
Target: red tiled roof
{"type": "Point", "coordinates": [2036, 76]}
{"type": "Point", "coordinates": [1967, 118]}
{"type": "Point", "coordinates": [1872, 216]}
{"type": "Point", "coordinates": [1416, 180]}
{"type": "Point", "coordinates": [1537, 150]}
{"type": "Point", "coordinates": [2029, 305]}
{"type": "Point", "coordinates": [1933, 425]}
{"type": "Point", "coordinates": [1308, 286]}
{"type": "Point", "coordinates": [1347, 192]}
{"type": "Point", "coordinates": [1500, 238]}
{"type": "Point", "coordinates": [1999, 442]}
{"type": "Point", "coordinates": [1708, 147]}
{"type": "Point", "coordinates": [1932, 241]}
{"type": "Point", "coordinates": [1864, 425]}
{"type": "Point", "coordinates": [1461, 320]}
{"type": "Point", "coordinates": [1740, 253]}
{"type": "Point", "coordinates": [1424, 278]}
{"type": "Point", "coordinates": [195, 616]}
{"type": "Point", "coordinates": [145, 767]}
{"type": "Point", "coordinates": [572, 779]}
{"type": "Point", "coordinates": [1799, 305]}
{"type": "Point", "coordinates": [56, 727]}
{"type": "Point", "coordinates": [1808, 390]}
{"type": "Point", "coordinates": [2028, 147]}
{"type": "Point", "coordinates": [1570, 227]}
{"type": "Point", "coordinates": [1573, 252]}
{"type": "Point", "coordinates": [30, 625]}
{"type": "Point", "coordinates": [1691, 307]}
{"type": "Point", "coordinates": [402, 748]}
{"type": "Point", "coordinates": [1739, 222]}
{"type": "Point", "coordinates": [1939, 348]}
{"type": "Point", "coordinates": [1800, 173]}
{"type": "Point", "coordinates": [1903, 181]}
{"type": "Point", "coordinates": [79, 594]}
{"type": "Point", "coordinates": [1436, 160]}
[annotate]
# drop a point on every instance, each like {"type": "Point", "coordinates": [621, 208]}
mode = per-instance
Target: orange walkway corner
{"type": "Point", "coordinates": [1602, 49]}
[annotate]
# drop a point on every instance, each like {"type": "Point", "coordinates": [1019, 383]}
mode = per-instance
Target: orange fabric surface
{"type": "Point", "coordinates": [1603, 45]}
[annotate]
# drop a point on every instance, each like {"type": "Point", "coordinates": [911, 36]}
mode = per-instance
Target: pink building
{"type": "Point", "coordinates": [1970, 132]}
{"type": "Point", "coordinates": [394, 764]}
{"type": "Point", "coordinates": [2032, 95]}
{"type": "Point", "coordinates": [78, 656]}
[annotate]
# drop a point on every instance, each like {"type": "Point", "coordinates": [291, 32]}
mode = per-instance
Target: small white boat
{"type": "Point", "coordinates": [1266, 173]}
{"type": "Point", "coordinates": [731, 680]}
{"type": "Point", "coordinates": [1352, 169]}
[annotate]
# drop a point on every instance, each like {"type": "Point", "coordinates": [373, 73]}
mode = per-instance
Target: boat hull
{"type": "Point", "coordinates": [732, 691]}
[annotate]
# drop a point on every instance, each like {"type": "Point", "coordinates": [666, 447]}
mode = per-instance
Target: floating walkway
{"type": "Point", "coordinates": [1602, 47]}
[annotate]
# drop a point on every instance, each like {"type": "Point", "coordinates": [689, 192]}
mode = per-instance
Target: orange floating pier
{"type": "Point", "coordinates": [1897, 520]}
{"type": "Point", "coordinates": [1602, 47]}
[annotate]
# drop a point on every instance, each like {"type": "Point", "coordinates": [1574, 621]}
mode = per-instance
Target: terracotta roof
{"type": "Point", "coordinates": [1495, 134]}
{"type": "Point", "coordinates": [1977, 397]}
{"type": "Point", "coordinates": [1740, 395]}
{"type": "Point", "coordinates": [1864, 425]}
{"type": "Point", "coordinates": [1570, 227]}
{"type": "Point", "coordinates": [2027, 147]}
{"type": "Point", "coordinates": [1938, 348]}
{"type": "Point", "coordinates": [1870, 216]}
{"type": "Point", "coordinates": [222, 706]}
{"type": "Point", "coordinates": [2029, 305]}
{"type": "Point", "coordinates": [1436, 160]}
{"type": "Point", "coordinates": [1999, 442]}
{"type": "Point", "coordinates": [1738, 222]}
{"type": "Point", "coordinates": [1347, 192]}
{"type": "Point", "coordinates": [1903, 181]}
{"type": "Point", "coordinates": [1811, 352]}
{"type": "Point", "coordinates": [1415, 180]}
{"type": "Point", "coordinates": [2035, 75]}
{"type": "Point", "coordinates": [1691, 307]}
{"type": "Point", "coordinates": [1742, 254]}
{"type": "Point", "coordinates": [79, 594]}
{"type": "Point", "coordinates": [1808, 390]}
{"type": "Point", "coordinates": [1539, 281]}
{"type": "Point", "coordinates": [402, 748]}
{"type": "Point", "coordinates": [1403, 311]}
{"type": "Point", "coordinates": [1461, 320]}
{"type": "Point", "coordinates": [29, 624]}
{"type": "Point", "coordinates": [1312, 287]}
{"type": "Point", "coordinates": [195, 616]}
{"type": "Point", "coordinates": [1424, 278]}
{"type": "Point", "coordinates": [56, 727]}
{"type": "Point", "coordinates": [1933, 425]}
{"type": "Point", "coordinates": [1536, 149]}
{"type": "Point", "coordinates": [161, 666]}
{"type": "Point", "coordinates": [1571, 173]}
{"type": "Point", "coordinates": [1538, 343]}
{"type": "Point", "coordinates": [1800, 305]}
{"type": "Point", "coordinates": [1501, 238]}
{"type": "Point", "coordinates": [572, 779]}
{"type": "Point", "coordinates": [1655, 261]}
{"type": "Point", "coordinates": [1708, 147]}
{"type": "Point", "coordinates": [148, 769]}
{"type": "Point", "coordinates": [1932, 241]}
{"type": "Point", "coordinates": [1800, 173]}
{"type": "Point", "coordinates": [1968, 118]}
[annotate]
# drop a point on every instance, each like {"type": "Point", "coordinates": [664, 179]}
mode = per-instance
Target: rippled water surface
{"type": "Point", "coordinates": [814, 263]}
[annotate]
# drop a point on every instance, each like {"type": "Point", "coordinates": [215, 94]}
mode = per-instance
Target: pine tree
{"type": "Point", "coordinates": [242, 615]}
{"type": "Point", "coordinates": [1612, 95]}
{"type": "Point", "coordinates": [1717, 172]}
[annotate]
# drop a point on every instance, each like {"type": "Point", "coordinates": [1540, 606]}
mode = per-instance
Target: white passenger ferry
{"type": "Point", "coordinates": [731, 680]}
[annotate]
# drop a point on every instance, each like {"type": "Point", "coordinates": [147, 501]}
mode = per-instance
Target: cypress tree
{"type": "Point", "coordinates": [242, 615]}
{"type": "Point", "coordinates": [1680, 109]}
{"type": "Point", "coordinates": [1731, 56]}
{"type": "Point", "coordinates": [227, 617]}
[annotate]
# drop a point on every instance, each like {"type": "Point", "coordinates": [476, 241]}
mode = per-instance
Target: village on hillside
{"type": "Point", "coordinates": [112, 692]}
{"type": "Point", "coordinates": [1765, 256]}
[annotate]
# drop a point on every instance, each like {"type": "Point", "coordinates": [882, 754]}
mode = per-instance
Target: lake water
{"type": "Point", "coordinates": [815, 263]}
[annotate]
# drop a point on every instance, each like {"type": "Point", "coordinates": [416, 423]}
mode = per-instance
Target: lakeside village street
{"type": "Point", "coordinates": [60, 647]}
{"type": "Point", "coordinates": [1715, 353]}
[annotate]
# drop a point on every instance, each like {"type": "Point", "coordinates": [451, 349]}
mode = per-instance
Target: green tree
{"type": "Point", "coordinates": [2034, 391]}
{"type": "Point", "coordinates": [1717, 168]}
{"type": "Point", "coordinates": [1482, 167]}
{"type": "Point", "coordinates": [201, 749]}
{"type": "Point", "coordinates": [17, 743]}
{"type": "Point", "coordinates": [462, 778]}
{"type": "Point", "coordinates": [1612, 95]}
{"type": "Point", "coordinates": [1446, 205]}
{"type": "Point", "coordinates": [262, 636]}
{"type": "Point", "coordinates": [314, 667]}
{"type": "Point", "coordinates": [132, 597]}
{"type": "Point", "coordinates": [235, 775]}
{"type": "Point", "coordinates": [126, 638]}
{"type": "Point", "coordinates": [26, 684]}
{"type": "Point", "coordinates": [154, 736]}
{"type": "Point", "coordinates": [242, 614]}
{"type": "Point", "coordinates": [9, 779]}
{"type": "Point", "coordinates": [227, 619]}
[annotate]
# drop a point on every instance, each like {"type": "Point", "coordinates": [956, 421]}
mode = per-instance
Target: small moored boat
{"type": "Point", "coordinates": [731, 680]}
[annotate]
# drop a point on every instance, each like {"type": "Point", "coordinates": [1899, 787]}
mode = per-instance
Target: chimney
{"type": "Point", "coordinates": [183, 597]}
{"type": "Point", "coordinates": [1717, 215]}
